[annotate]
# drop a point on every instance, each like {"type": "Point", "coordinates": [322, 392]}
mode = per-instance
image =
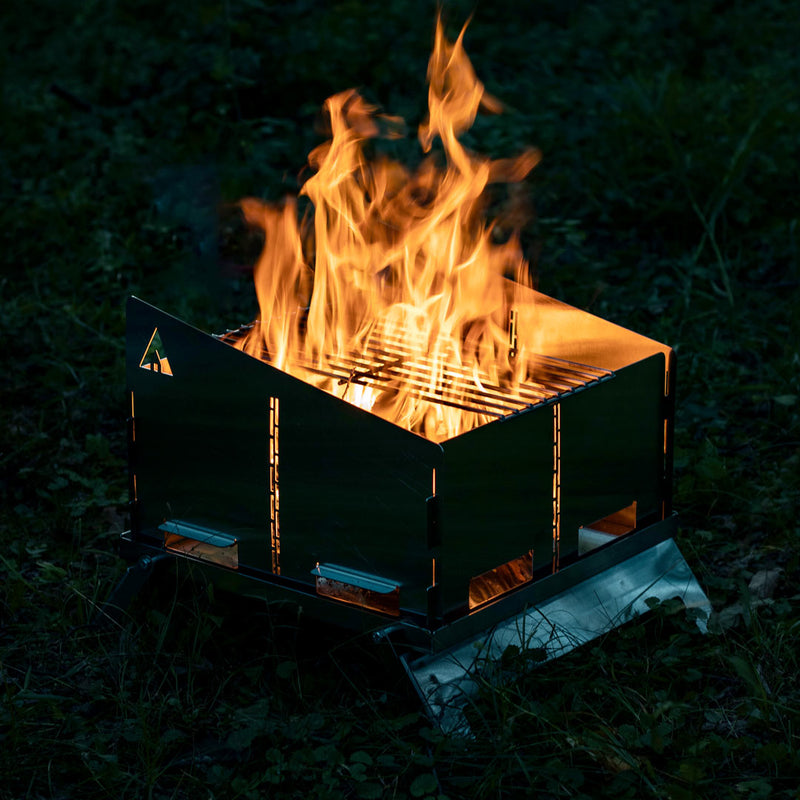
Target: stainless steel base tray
{"type": "Point", "coordinates": [447, 680]}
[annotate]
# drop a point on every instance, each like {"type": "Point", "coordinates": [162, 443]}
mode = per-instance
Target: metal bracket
{"type": "Point", "coordinates": [112, 612]}
{"type": "Point", "coordinates": [434, 522]}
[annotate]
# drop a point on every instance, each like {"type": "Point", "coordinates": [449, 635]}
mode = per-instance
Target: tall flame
{"type": "Point", "coordinates": [400, 285]}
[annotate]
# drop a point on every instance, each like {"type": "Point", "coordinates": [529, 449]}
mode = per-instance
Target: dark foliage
{"type": "Point", "coordinates": [667, 202]}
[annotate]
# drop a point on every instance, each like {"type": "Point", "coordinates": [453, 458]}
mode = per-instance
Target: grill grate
{"type": "Point", "coordinates": [445, 383]}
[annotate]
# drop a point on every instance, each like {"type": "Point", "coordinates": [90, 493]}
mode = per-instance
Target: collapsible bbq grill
{"type": "Point", "coordinates": [558, 507]}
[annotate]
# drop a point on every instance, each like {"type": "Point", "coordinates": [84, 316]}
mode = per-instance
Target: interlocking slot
{"type": "Point", "coordinates": [512, 333]}
{"type": "Point", "coordinates": [274, 485]}
{"type": "Point", "coordinates": [556, 485]}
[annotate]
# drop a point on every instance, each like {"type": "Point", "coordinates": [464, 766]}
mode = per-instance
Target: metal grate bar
{"type": "Point", "coordinates": [454, 386]}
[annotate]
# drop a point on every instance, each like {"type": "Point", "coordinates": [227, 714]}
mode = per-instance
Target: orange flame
{"type": "Point", "coordinates": [401, 307]}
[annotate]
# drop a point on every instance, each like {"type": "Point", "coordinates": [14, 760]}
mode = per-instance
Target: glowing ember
{"type": "Point", "coordinates": [397, 300]}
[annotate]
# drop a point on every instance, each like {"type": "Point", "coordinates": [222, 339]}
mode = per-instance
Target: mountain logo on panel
{"type": "Point", "coordinates": [155, 356]}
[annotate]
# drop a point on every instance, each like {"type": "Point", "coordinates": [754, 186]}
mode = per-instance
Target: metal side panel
{"type": "Point", "coordinates": [592, 607]}
{"type": "Point", "coordinates": [496, 492]}
{"type": "Point", "coordinates": [225, 442]}
{"type": "Point", "coordinates": [612, 449]}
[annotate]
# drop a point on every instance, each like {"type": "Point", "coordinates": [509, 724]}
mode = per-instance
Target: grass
{"type": "Point", "coordinates": [666, 202]}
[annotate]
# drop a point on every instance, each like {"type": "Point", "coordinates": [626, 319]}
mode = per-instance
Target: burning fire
{"type": "Point", "coordinates": [393, 295]}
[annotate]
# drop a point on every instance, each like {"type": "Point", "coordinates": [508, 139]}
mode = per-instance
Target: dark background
{"type": "Point", "coordinates": [666, 201]}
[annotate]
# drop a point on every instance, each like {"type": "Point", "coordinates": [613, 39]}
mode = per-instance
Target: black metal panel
{"type": "Point", "coordinates": [497, 498]}
{"type": "Point", "coordinates": [200, 444]}
{"type": "Point", "coordinates": [612, 448]}
{"type": "Point", "coordinates": [353, 493]}
{"type": "Point", "coordinates": [352, 486]}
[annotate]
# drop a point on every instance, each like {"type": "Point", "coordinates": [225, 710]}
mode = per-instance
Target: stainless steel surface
{"type": "Point", "coordinates": [586, 610]}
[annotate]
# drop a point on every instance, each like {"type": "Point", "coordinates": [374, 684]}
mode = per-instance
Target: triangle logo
{"type": "Point", "coordinates": [155, 356]}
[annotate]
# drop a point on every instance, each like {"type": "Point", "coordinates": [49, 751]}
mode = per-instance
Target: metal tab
{"type": "Point", "coordinates": [177, 527]}
{"type": "Point", "coordinates": [434, 522]}
{"type": "Point", "coordinates": [357, 588]}
{"type": "Point", "coordinates": [363, 580]}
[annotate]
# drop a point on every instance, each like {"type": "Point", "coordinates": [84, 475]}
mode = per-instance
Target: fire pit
{"type": "Point", "coordinates": [236, 463]}
{"type": "Point", "coordinates": [407, 439]}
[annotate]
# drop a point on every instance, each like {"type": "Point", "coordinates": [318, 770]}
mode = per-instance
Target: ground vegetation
{"type": "Point", "coordinates": [666, 201]}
